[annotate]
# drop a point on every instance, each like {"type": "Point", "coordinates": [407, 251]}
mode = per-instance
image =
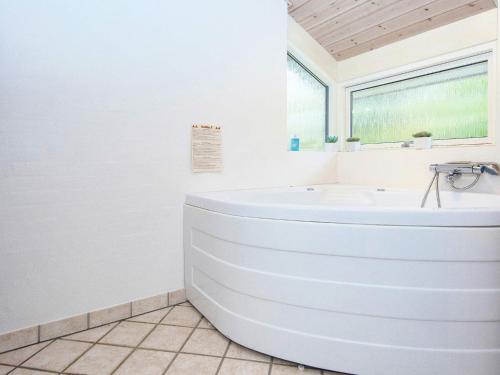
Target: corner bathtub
{"type": "Point", "coordinates": [350, 279]}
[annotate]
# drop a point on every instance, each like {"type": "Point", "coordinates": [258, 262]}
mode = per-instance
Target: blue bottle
{"type": "Point", "coordinates": [295, 143]}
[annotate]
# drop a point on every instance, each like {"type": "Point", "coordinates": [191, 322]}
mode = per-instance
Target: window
{"type": "Point", "coordinates": [449, 100]}
{"type": "Point", "coordinates": [307, 103]}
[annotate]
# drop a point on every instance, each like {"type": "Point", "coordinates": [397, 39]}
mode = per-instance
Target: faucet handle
{"type": "Point", "coordinates": [490, 168]}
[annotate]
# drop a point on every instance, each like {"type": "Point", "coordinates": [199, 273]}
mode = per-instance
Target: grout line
{"type": "Point", "coordinates": [89, 348]}
{"type": "Point", "coordinates": [23, 347]}
{"type": "Point", "coordinates": [66, 337]}
{"type": "Point", "coordinates": [167, 351]}
{"type": "Point", "coordinates": [119, 345]}
{"type": "Point", "coordinates": [176, 325]}
{"type": "Point", "coordinates": [88, 320]}
{"type": "Point", "coordinates": [182, 346]}
{"type": "Point", "coordinates": [148, 312]}
{"type": "Point", "coordinates": [37, 369]}
{"type": "Point", "coordinates": [223, 356]}
{"type": "Point", "coordinates": [134, 349]}
{"type": "Point", "coordinates": [34, 354]}
{"type": "Point", "coordinates": [271, 365]}
{"type": "Point", "coordinates": [198, 326]}
{"type": "Point", "coordinates": [38, 333]}
{"type": "Point", "coordinates": [130, 321]}
{"type": "Point", "coordinates": [130, 310]}
{"type": "Point", "coordinates": [171, 351]}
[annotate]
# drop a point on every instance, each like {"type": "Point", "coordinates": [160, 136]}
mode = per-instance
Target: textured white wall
{"type": "Point", "coordinates": [96, 103]}
{"type": "Point", "coordinates": [404, 168]}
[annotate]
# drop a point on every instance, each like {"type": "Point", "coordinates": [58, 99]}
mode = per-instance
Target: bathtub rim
{"type": "Point", "coordinates": [365, 215]}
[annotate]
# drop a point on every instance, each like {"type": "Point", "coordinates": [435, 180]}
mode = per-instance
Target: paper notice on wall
{"type": "Point", "coordinates": [206, 148]}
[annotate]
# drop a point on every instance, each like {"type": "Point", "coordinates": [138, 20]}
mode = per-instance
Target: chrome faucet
{"type": "Point", "coordinates": [454, 170]}
{"type": "Point", "coordinates": [466, 167]}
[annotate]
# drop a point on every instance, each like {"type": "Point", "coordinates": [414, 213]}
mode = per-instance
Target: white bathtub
{"type": "Point", "coordinates": [350, 279]}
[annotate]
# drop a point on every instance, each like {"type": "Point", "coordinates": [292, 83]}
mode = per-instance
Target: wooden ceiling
{"type": "Point", "coordinates": [346, 28]}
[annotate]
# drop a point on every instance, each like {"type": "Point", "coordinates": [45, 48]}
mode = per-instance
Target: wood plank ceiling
{"type": "Point", "coordinates": [346, 28]}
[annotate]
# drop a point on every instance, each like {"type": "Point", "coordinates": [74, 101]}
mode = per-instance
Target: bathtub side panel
{"type": "Point", "coordinates": [360, 299]}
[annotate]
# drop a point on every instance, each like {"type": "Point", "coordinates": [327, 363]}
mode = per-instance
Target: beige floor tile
{"type": "Point", "coordinates": [182, 316]}
{"type": "Point", "coordinates": [240, 352]}
{"type": "Point", "coordinates": [167, 338]}
{"type": "Point", "coordinates": [188, 364]}
{"type": "Point", "coordinates": [16, 357]}
{"type": "Point", "coordinates": [293, 370]}
{"type": "Point", "coordinates": [204, 323]}
{"type": "Point", "coordinates": [26, 371]}
{"type": "Point", "coordinates": [58, 355]}
{"type": "Point", "coordinates": [5, 369]}
{"type": "Point", "coordinates": [240, 367]}
{"type": "Point", "coordinates": [185, 304]}
{"type": "Point", "coordinates": [100, 360]}
{"type": "Point", "coordinates": [206, 341]}
{"type": "Point", "coordinates": [145, 362]}
{"type": "Point", "coordinates": [91, 335]}
{"type": "Point", "coordinates": [127, 333]}
{"type": "Point", "coordinates": [152, 317]}
{"type": "Point", "coordinates": [333, 373]}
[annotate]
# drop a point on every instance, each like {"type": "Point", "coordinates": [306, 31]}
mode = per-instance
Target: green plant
{"type": "Point", "coordinates": [422, 134]}
{"type": "Point", "coordinates": [331, 139]}
{"type": "Point", "coordinates": [352, 139]}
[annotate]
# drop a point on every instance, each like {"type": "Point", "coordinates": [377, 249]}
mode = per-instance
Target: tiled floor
{"type": "Point", "coordinates": [173, 341]}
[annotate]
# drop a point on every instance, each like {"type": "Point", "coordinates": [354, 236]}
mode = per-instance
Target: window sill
{"type": "Point", "coordinates": [435, 145]}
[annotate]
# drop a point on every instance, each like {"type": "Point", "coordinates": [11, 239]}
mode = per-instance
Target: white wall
{"type": "Point", "coordinates": [403, 168]}
{"type": "Point", "coordinates": [310, 52]}
{"type": "Point", "coordinates": [96, 104]}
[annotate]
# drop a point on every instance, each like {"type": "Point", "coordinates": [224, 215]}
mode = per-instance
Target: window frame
{"type": "Point", "coordinates": [486, 52]}
{"type": "Point", "coordinates": [323, 79]}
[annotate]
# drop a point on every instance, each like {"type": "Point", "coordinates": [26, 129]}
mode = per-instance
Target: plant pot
{"type": "Point", "coordinates": [423, 143]}
{"type": "Point", "coordinates": [353, 146]}
{"type": "Point", "coordinates": [331, 147]}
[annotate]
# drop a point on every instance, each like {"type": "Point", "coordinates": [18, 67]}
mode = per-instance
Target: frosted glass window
{"type": "Point", "coordinates": [451, 104]}
{"type": "Point", "coordinates": [307, 103]}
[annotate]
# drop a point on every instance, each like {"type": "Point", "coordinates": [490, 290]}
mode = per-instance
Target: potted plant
{"type": "Point", "coordinates": [353, 144]}
{"type": "Point", "coordinates": [331, 143]}
{"type": "Point", "coordinates": [423, 140]}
